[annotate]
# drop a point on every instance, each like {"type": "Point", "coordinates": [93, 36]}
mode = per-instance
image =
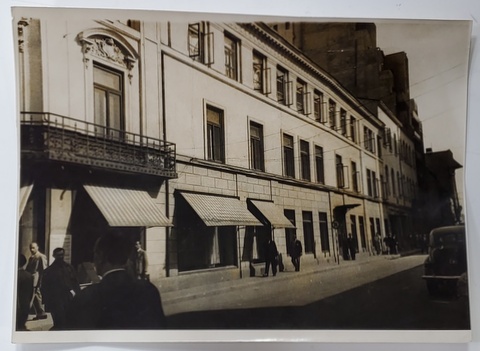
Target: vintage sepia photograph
{"type": "Point", "coordinates": [199, 172]}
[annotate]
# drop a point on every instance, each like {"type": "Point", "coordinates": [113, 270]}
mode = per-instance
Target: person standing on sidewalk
{"type": "Point", "coordinates": [141, 262]}
{"type": "Point", "coordinates": [271, 256]}
{"type": "Point", "coordinates": [24, 293]}
{"type": "Point", "coordinates": [35, 266]}
{"type": "Point", "coordinates": [351, 247]}
{"type": "Point", "coordinates": [59, 286]}
{"type": "Point", "coordinates": [119, 301]}
{"type": "Point", "coordinates": [296, 251]}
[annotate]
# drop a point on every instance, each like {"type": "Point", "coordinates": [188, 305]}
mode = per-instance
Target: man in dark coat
{"type": "Point", "coordinates": [296, 251]}
{"type": "Point", "coordinates": [119, 301]}
{"type": "Point", "coordinates": [59, 286]}
{"type": "Point", "coordinates": [271, 254]}
{"type": "Point", "coordinates": [35, 266]}
{"type": "Point", "coordinates": [24, 293]}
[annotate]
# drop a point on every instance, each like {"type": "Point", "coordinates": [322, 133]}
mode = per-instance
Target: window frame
{"type": "Point", "coordinates": [288, 156]}
{"type": "Point", "coordinates": [106, 124]}
{"type": "Point", "coordinates": [305, 167]}
{"type": "Point", "coordinates": [332, 114]}
{"type": "Point", "coordinates": [318, 106]}
{"type": "Point", "coordinates": [214, 140]}
{"type": "Point", "coordinates": [231, 56]}
{"type": "Point", "coordinates": [257, 147]}
{"type": "Point", "coordinates": [319, 164]}
{"type": "Point", "coordinates": [339, 171]}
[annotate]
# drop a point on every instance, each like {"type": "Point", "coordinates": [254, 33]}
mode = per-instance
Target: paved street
{"type": "Point", "coordinates": [398, 302]}
{"type": "Point", "coordinates": [288, 288]}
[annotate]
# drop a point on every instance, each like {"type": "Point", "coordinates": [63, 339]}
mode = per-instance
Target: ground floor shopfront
{"type": "Point", "coordinates": [210, 224]}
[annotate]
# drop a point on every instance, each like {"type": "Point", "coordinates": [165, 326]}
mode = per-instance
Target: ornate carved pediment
{"type": "Point", "coordinates": [107, 48]}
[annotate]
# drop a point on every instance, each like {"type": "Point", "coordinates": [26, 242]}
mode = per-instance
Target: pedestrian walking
{"type": "Point", "coordinates": [119, 301]}
{"type": "Point", "coordinates": [352, 249]}
{"type": "Point", "coordinates": [271, 257]}
{"type": "Point", "coordinates": [59, 286]}
{"type": "Point", "coordinates": [296, 252]}
{"type": "Point", "coordinates": [24, 293]}
{"type": "Point", "coordinates": [141, 262]}
{"type": "Point", "coordinates": [37, 263]}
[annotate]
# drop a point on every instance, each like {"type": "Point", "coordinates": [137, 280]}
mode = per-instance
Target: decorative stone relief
{"type": "Point", "coordinates": [107, 48]}
{"type": "Point", "coordinates": [21, 31]}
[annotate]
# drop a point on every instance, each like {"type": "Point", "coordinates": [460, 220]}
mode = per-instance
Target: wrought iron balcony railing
{"type": "Point", "coordinates": [59, 138]}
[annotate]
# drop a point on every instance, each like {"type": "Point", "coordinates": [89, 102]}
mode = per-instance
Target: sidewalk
{"type": "Point", "coordinates": [257, 291]}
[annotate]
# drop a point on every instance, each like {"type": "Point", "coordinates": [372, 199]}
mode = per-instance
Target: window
{"type": "Point", "coordinates": [339, 169]}
{"type": "Point", "coordinates": [290, 233]}
{"type": "Point", "coordinates": [400, 185]}
{"type": "Point", "coordinates": [256, 147]}
{"type": "Point", "coordinates": [354, 177]}
{"type": "Point", "coordinates": [200, 43]}
{"type": "Point", "coordinates": [318, 106]}
{"type": "Point", "coordinates": [369, 183]}
{"type": "Point", "coordinates": [353, 129]}
{"type": "Point", "coordinates": [319, 166]}
{"type": "Point", "coordinates": [379, 145]}
{"type": "Point", "coordinates": [324, 238]}
{"type": "Point", "coordinates": [395, 147]}
{"type": "Point", "coordinates": [215, 135]}
{"type": "Point", "coordinates": [260, 78]}
{"type": "Point", "coordinates": [301, 90]}
{"type": "Point", "coordinates": [394, 191]}
{"type": "Point", "coordinates": [231, 47]}
{"type": "Point", "coordinates": [305, 159]}
{"type": "Point", "coordinates": [282, 84]}
{"type": "Point", "coordinates": [288, 156]}
{"type": "Point", "coordinates": [374, 184]}
{"type": "Point", "coordinates": [308, 232]}
{"type": "Point", "coordinates": [387, 182]}
{"type": "Point", "coordinates": [332, 106]}
{"type": "Point", "coordinates": [368, 139]}
{"type": "Point", "coordinates": [108, 101]}
{"type": "Point", "coordinates": [343, 121]}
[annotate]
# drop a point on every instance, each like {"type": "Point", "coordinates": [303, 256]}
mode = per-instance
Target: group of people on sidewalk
{"type": "Point", "coordinates": [121, 300]}
{"type": "Point", "coordinates": [273, 258]}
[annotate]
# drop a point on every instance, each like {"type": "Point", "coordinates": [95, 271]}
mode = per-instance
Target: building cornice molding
{"type": "Point", "coordinates": [291, 53]}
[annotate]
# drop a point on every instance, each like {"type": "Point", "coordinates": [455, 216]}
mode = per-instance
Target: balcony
{"type": "Point", "coordinates": [51, 137]}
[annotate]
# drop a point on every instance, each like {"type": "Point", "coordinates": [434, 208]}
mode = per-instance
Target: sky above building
{"type": "Point", "coordinates": [438, 53]}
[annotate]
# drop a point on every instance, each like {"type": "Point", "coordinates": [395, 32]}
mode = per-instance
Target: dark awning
{"type": "Point", "coordinates": [217, 211]}
{"type": "Point", "coordinates": [273, 214]}
{"type": "Point", "coordinates": [127, 207]}
{"type": "Point", "coordinates": [345, 207]}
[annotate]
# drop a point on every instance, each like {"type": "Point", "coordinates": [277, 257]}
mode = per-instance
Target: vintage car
{"type": "Point", "coordinates": [446, 265]}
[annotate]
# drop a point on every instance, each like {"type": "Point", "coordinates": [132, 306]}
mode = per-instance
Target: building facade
{"type": "Point", "coordinates": [201, 140]}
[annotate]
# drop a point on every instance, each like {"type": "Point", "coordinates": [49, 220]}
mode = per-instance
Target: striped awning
{"type": "Point", "coordinates": [273, 214]}
{"type": "Point", "coordinates": [127, 207]}
{"type": "Point", "coordinates": [218, 211]}
{"type": "Point", "coordinates": [25, 192]}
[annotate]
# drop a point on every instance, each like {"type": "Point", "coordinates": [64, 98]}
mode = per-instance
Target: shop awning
{"type": "Point", "coordinates": [218, 211]}
{"type": "Point", "coordinates": [25, 192]}
{"type": "Point", "coordinates": [272, 214]}
{"type": "Point", "coordinates": [127, 207]}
